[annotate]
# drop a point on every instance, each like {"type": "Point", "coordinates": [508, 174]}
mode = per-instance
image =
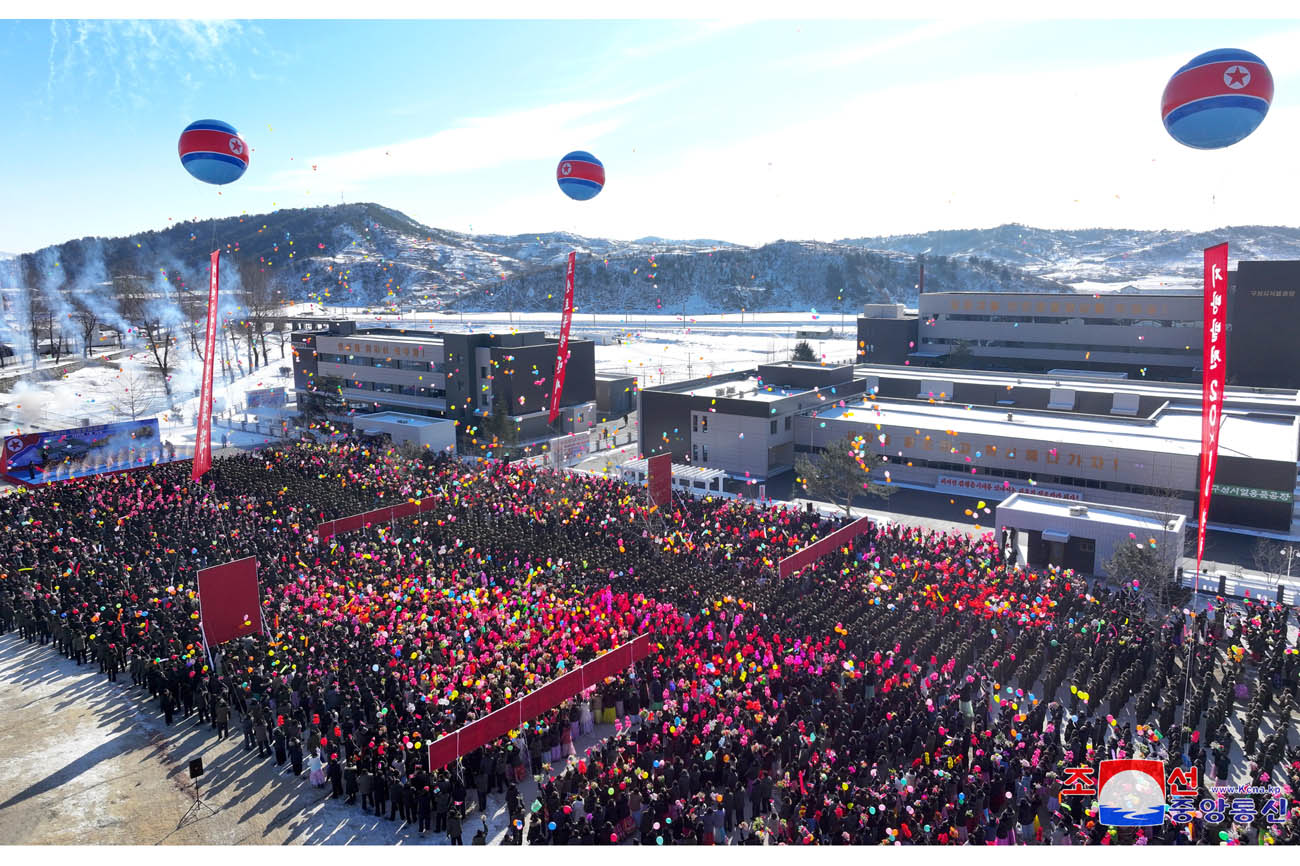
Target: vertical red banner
{"type": "Point", "coordinates": [562, 351]}
{"type": "Point", "coordinates": [1214, 360]}
{"type": "Point", "coordinates": [659, 470]}
{"type": "Point", "coordinates": [203, 436]}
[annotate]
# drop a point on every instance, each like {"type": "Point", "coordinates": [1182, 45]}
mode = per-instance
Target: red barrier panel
{"type": "Point", "coordinates": [230, 602]}
{"type": "Point", "coordinates": [821, 547]}
{"type": "Point", "coordinates": [387, 514]}
{"type": "Point", "coordinates": [443, 752]}
{"type": "Point", "coordinates": [512, 716]}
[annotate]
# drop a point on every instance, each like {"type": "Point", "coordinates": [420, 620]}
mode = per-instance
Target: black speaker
{"type": "Point", "coordinates": [196, 768]}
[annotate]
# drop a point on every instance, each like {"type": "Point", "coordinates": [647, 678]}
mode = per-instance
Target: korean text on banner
{"type": "Point", "coordinates": [562, 351]}
{"type": "Point", "coordinates": [203, 436]}
{"type": "Point", "coordinates": [1214, 359]}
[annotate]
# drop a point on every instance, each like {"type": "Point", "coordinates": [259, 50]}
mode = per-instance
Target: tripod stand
{"type": "Point", "coordinates": [195, 812]}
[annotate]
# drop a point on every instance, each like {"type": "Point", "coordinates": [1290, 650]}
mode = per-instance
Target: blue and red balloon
{"type": "Point", "coordinates": [580, 175]}
{"type": "Point", "coordinates": [1217, 99]}
{"type": "Point", "coordinates": [213, 151]}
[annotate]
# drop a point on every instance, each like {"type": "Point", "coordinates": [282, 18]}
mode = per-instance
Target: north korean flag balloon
{"type": "Point", "coordinates": [213, 152]}
{"type": "Point", "coordinates": [1217, 99]}
{"type": "Point", "coordinates": [580, 175]}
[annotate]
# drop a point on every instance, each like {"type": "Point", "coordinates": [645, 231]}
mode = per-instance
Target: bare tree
{"type": "Point", "coordinates": [141, 310]}
{"type": "Point", "coordinates": [1270, 558]}
{"type": "Point", "coordinates": [45, 326]}
{"type": "Point", "coordinates": [135, 392]}
{"type": "Point", "coordinates": [88, 323]}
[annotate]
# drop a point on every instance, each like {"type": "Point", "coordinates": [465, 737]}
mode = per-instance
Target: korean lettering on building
{"type": "Point", "coordinates": [1253, 493]}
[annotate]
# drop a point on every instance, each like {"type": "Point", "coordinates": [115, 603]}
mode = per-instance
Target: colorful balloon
{"type": "Point", "coordinates": [580, 175]}
{"type": "Point", "coordinates": [213, 152]}
{"type": "Point", "coordinates": [1217, 99]}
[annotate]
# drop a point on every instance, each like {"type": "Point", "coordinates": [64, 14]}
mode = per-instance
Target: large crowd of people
{"type": "Point", "coordinates": [909, 689]}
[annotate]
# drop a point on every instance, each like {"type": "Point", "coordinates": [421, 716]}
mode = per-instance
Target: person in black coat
{"type": "Point", "coordinates": [281, 750]}
{"type": "Point", "coordinates": [295, 755]}
{"type": "Point", "coordinates": [350, 781]}
{"type": "Point", "coordinates": [335, 775]}
{"type": "Point", "coordinates": [168, 707]}
{"type": "Point", "coordinates": [380, 793]}
{"type": "Point", "coordinates": [424, 807]}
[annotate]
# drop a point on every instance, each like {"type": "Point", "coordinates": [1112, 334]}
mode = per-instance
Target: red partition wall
{"type": "Point", "coordinates": [512, 716]}
{"type": "Point", "coordinates": [820, 548]}
{"type": "Point", "coordinates": [659, 477]}
{"type": "Point", "coordinates": [230, 603]}
{"type": "Point", "coordinates": [388, 513]}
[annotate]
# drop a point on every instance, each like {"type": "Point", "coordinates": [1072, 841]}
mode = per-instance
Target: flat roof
{"type": "Point", "coordinates": [1095, 513]}
{"type": "Point", "coordinates": [400, 418]}
{"type": "Point", "coordinates": [747, 388]}
{"type": "Point", "coordinates": [680, 470]}
{"type": "Point", "coordinates": [414, 339]}
{"type": "Point", "coordinates": [1069, 293]}
{"type": "Point", "coordinates": [1175, 430]}
{"type": "Point", "coordinates": [1281, 397]}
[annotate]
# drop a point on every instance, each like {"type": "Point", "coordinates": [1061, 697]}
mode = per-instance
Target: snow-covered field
{"type": "Point", "coordinates": [656, 349]}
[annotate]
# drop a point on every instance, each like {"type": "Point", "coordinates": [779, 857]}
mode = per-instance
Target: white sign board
{"type": "Point", "coordinates": [986, 487]}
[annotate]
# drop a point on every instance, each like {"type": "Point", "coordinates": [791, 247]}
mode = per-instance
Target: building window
{"type": "Point", "coordinates": [695, 423]}
{"type": "Point", "coordinates": [705, 451]}
{"type": "Point", "coordinates": [695, 453]}
{"type": "Point", "coordinates": [482, 372]}
{"type": "Point", "coordinates": [774, 426]}
{"type": "Point", "coordinates": [704, 426]}
{"type": "Point", "coordinates": [788, 421]}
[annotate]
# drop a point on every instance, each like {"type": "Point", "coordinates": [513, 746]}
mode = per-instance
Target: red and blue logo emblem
{"type": "Point", "coordinates": [1131, 793]}
{"type": "Point", "coordinates": [580, 175]}
{"type": "Point", "coordinates": [1217, 99]}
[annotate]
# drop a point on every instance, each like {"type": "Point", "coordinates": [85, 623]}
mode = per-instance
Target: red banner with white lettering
{"type": "Point", "coordinates": [203, 436]}
{"type": "Point", "coordinates": [659, 470]}
{"type": "Point", "coordinates": [230, 603]}
{"type": "Point", "coordinates": [1213, 362]}
{"type": "Point", "coordinates": [562, 351]}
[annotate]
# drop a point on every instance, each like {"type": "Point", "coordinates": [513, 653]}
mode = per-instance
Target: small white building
{"type": "Point", "coordinates": [1039, 530]}
{"type": "Point", "coordinates": [435, 434]}
{"type": "Point", "coordinates": [695, 480]}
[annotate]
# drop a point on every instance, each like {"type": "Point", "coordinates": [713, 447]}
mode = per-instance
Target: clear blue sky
{"type": "Point", "coordinates": [744, 132]}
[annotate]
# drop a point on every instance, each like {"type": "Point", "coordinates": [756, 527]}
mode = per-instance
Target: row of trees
{"type": "Point", "coordinates": [159, 315]}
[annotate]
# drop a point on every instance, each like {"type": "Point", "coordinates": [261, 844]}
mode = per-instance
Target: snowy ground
{"type": "Point", "coordinates": [87, 761]}
{"type": "Point", "coordinates": [656, 349]}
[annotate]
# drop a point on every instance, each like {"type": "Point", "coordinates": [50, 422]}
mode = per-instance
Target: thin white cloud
{"type": "Point", "coordinates": [701, 30]}
{"type": "Point", "coordinates": [132, 54]}
{"type": "Point", "coordinates": [1057, 148]}
{"type": "Point", "coordinates": [470, 144]}
{"type": "Point", "coordinates": [927, 32]}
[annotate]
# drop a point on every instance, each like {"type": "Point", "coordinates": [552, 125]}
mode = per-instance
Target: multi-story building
{"type": "Point", "coordinates": [443, 374]}
{"type": "Point", "coordinates": [1144, 335]}
{"type": "Point", "coordinates": [988, 434]}
{"type": "Point", "coordinates": [1036, 332]}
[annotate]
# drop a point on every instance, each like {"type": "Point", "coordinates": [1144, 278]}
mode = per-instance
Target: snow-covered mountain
{"type": "Point", "coordinates": [1098, 256]}
{"type": "Point", "coordinates": [367, 254]}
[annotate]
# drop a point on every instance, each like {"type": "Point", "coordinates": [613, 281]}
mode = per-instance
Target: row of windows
{"type": "Point", "coordinates": [1015, 474]}
{"type": "Point", "coordinates": [1189, 353]}
{"type": "Point", "coordinates": [1080, 307]}
{"type": "Point", "coordinates": [382, 363]}
{"type": "Point", "coordinates": [700, 423]}
{"type": "Point", "coordinates": [333, 383]}
{"type": "Point", "coordinates": [1061, 320]}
